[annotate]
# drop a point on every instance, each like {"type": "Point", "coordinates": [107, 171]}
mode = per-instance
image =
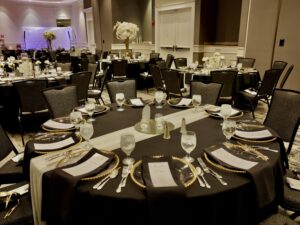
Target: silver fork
{"type": "Point", "coordinates": [125, 172]}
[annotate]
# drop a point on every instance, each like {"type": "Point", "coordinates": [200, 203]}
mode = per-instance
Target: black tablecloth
{"type": "Point", "coordinates": [232, 204]}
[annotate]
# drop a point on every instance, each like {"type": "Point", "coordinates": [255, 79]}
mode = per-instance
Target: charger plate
{"type": "Point", "coordinates": [187, 172]}
{"type": "Point", "coordinates": [174, 101]}
{"type": "Point", "coordinates": [99, 109]}
{"type": "Point", "coordinates": [65, 120]}
{"type": "Point", "coordinates": [55, 137]}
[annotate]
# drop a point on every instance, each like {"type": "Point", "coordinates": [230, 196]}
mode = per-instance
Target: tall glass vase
{"type": "Point", "coordinates": [49, 44]}
{"type": "Point", "coordinates": [127, 53]}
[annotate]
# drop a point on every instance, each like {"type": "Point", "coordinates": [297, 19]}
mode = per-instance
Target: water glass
{"type": "Point", "coordinates": [127, 143]}
{"type": "Point", "coordinates": [196, 101]}
{"type": "Point", "coordinates": [228, 129]}
{"type": "Point", "coordinates": [87, 131]}
{"type": "Point", "coordinates": [90, 108]}
{"type": "Point", "coordinates": [120, 99]}
{"type": "Point", "coordinates": [159, 97]}
{"type": "Point", "coordinates": [76, 119]}
{"type": "Point", "coordinates": [188, 144]}
{"type": "Point", "coordinates": [225, 111]}
{"type": "Point", "coordinates": [159, 122]}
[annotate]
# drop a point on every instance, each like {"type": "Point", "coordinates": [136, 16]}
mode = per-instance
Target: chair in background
{"type": "Point", "coordinates": [136, 55]}
{"type": "Point", "coordinates": [284, 118]}
{"type": "Point", "coordinates": [169, 60]}
{"type": "Point", "coordinates": [180, 62]}
{"type": "Point", "coordinates": [155, 72]}
{"type": "Point", "coordinates": [61, 100]}
{"type": "Point", "coordinates": [210, 93]}
{"type": "Point", "coordinates": [246, 62]}
{"type": "Point", "coordinates": [154, 55]}
{"type": "Point", "coordinates": [81, 80]}
{"type": "Point", "coordinates": [91, 58]}
{"type": "Point", "coordinates": [119, 68]}
{"type": "Point", "coordinates": [128, 87]}
{"type": "Point", "coordinates": [172, 83]}
{"type": "Point", "coordinates": [32, 103]}
{"type": "Point", "coordinates": [227, 78]}
{"type": "Point", "coordinates": [279, 65]}
{"type": "Point", "coordinates": [264, 92]}
{"type": "Point", "coordinates": [286, 76]}
{"type": "Point", "coordinates": [96, 93]}
{"type": "Point", "coordinates": [64, 66]}
{"type": "Point", "coordinates": [93, 67]}
{"type": "Point", "coordinates": [161, 64]}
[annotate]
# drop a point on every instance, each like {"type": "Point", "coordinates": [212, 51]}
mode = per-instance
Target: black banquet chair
{"type": "Point", "coordinates": [119, 68]}
{"type": "Point", "coordinates": [279, 65]}
{"type": "Point", "coordinates": [246, 62]}
{"type": "Point", "coordinates": [180, 62]}
{"type": "Point", "coordinates": [61, 100]}
{"type": "Point", "coordinates": [128, 87]}
{"type": "Point", "coordinates": [82, 81]}
{"type": "Point", "coordinates": [169, 60]}
{"type": "Point", "coordinates": [155, 71]}
{"type": "Point", "coordinates": [96, 93]}
{"type": "Point", "coordinates": [32, 103]}
{"type": "Point", "coordinates": [210, 92]}
{"type": "Point", "coordinates": [172, 80]}
{"type": "Point", "coordinates": [286, 76]}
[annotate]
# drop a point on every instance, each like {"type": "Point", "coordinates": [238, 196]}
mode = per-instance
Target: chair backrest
{"type": "Point", "coordinates": [269, 82]}
{"type": "Point", "coordinates": [91, 58]}
{"type": "Point", "coordinates": [119, 68]}
{"type": "Point", "coordinates": [161, 64]}
{"type": "Point", "coordinates": [93, 67]}
{"type": "Point", "coordinates": [179, 62]}
{"type": "Point", "coordinates": [210, 93]}
{"type": "Point", "coordinates": [284, 113]}
{"type": "Point", "coordinates": [30, 95]}
{"type": "Point", "coordinates": [64, 66]}
{"type": "Point", "coordinates": [105, 54]}
{"type": "Point", "coordinates": [172, 82]}
{"type": "Point", "coordinates": [246, 62]}
{"type": "Point", "coordinates": [157, 77]}
{"type": "Point", "coordinates": [61, 100]}
{"type": "Point", "coordinates": [6, 145]}
{"type": "Point", "coordinates": [169, 60]}
{"type": "Point", "coordinates": [227, 78]}
{"type": "Point", "coordinates": [280, 65]}
{"type": "Point", "coordinates": [286, 76]}
{"type": "Point", "coordinates": [128, 87]}
{"type": "Point", "coordinates": [81, 80]}
{"type": "Point", "coordinates": [154, 55]}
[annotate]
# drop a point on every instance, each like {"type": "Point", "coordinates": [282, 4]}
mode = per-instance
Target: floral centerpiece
{"type": "Point", "coordinates": [126, 32]}
{"type": "Point", "coordinates": [213, 62]}
{"type": "Point", "coordinates": [49, 36]}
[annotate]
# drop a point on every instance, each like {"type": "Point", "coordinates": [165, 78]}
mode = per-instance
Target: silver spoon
{"type": "Point", "coordinates": [199, 179]}
{"type": "Point", "coordinates": [201, 173]}
{"type": "Point", "coordinates": [112, 175]}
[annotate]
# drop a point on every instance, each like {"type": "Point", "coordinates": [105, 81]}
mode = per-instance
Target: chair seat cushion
{"type": "Point", "coordinates": [11, 172]}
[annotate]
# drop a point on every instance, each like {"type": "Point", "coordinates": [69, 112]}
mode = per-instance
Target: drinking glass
{"type": "Point", "coordinates": [225, 111]}
{"type": "Point", "coordinates": [76, 119]}
{"type": "Point", "coordinates": [127, 143]}
{"type": "Point", "coordinates": [188, 143]}
{"type": "Point", "coordinates": [87, 131]}
{"type": "Point", "coordinates": [90, 108]}
{"type": "Point", "coordinates": [120, 99]}
{"type": "Point", "coordinates": [159, 122]}
{"type": "Point", "coordinates": [196, 101]}
{"type": "Point", "coordinates": [159, 97]}
{"type": "Point", "coordinates": [228, 129]}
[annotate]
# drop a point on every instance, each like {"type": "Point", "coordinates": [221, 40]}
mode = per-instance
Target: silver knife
{"type": "Point", "coordinates": [211, 171]}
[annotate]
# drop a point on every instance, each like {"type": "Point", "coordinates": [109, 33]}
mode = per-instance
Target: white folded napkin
{"type": "Point", "coordinates": [57, 125]}
{"type": "Point", "coordinates": [184, 102]}
{"type": "Point", "coordinates": [136, 102]}
{"type": "Point", "coordinates": [250, 92]}
{"type": "Point", "coordinates": [253, 134]}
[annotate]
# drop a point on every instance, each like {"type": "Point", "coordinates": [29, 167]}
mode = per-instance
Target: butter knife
{"type": "Point", "coordinates": [211, 171]}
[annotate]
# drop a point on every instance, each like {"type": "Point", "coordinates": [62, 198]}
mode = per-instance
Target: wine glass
{"type": "Point", "coordinates": [87, 131]}
{"type": "Point", "coordinates": [225, 111]}
{"type": "Point", "coordinates": [228, 129]}
{"type": "Point", "coordinates": [90, 108]}
{"type": "Point", "coordinates": [188, 143]}
{"type": "Point", "coordinates": [120, 99]}
{"type": "Point", "coordinates": [127, 143]}
{"type": "Point", "coordinates": [76, 119]}
{"type": "Point", "coordinates": [196, 101]}
{"type": "Point", "coordinates": [159, 97]}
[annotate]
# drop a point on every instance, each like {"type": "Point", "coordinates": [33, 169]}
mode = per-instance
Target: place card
{"type": "Point", "coordinates": [136, 102]}
{"type": "Point", "coordinates": [294, 183]}
{"type": "Point", "coordinates": [253, 134]}
{"type": "Point", "coordinates": [232, 160]}
{"type": "Point", "coordinates": [87, 166]}
{"type": "Point", "coordinates": [184, 102]}
{"type": "Point", "coordinates": [161, 175]}
{"type": "Point", "coordinates": [56, 125]}
{"type": "Point", "coordinates": [54, 145]}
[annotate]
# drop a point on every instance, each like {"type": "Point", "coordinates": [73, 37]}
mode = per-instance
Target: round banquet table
{"type": "Point", "coordinates": [235, 203]}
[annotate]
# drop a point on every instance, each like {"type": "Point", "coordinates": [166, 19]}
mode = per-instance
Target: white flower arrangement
{"type": "Point", "coordinates": [126, 30]}
{"type": "Point", "coordinates": [37, 62]}
{"type": "Point", "coordinates": [47, 62]}
{"type": "Point", "coordinates": [49, 35]}
{"type": "Point", "coordinates": [2, 64]}
{"type": "Point", "coordinates": [214, 61]}
{"type": "Point", "coordinates": [11, 62]}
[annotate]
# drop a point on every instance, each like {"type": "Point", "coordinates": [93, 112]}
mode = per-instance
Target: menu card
{"type": "Point", "coordinates": [184, 102]}
{"type": "Point", "coordinates": [56, 125]}
{"type": "Point", "coordinates": [136, 102]}
{"type": "Point", "coordinates": [54, 145]}
{"type": "Point", "coordinates": [233, 112]}
{"type": "Point", "coordinates": [161, 175]}
{"type": "Point", "coordinates": [253, 134]}
{"type": "Point", "coordinates": [87, 166]}
{"type": "Point", "coordinates": [294, 183]}
{"type": "Point", "coordinates": [232, 160]}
